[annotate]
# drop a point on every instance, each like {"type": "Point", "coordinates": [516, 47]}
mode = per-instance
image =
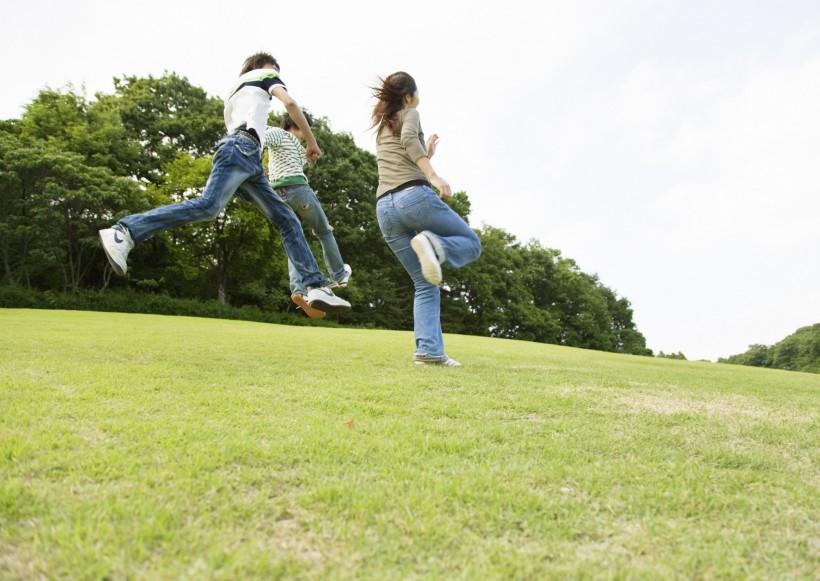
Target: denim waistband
{"type": "Point", "coordinates": [247, 134]}
{"type": "Point", "coordinates": [405, 186]}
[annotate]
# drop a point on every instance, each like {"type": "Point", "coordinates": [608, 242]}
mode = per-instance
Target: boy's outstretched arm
{"type": "Point", "coordinates": [295, 111]}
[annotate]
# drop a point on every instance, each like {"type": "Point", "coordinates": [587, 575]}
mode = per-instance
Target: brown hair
{"type": "Point", "coordinates": [390, 100]}
{"type": "Point", "coordinates": [257, 61]}
{"type": "Point", "coordinates": [287, 122]}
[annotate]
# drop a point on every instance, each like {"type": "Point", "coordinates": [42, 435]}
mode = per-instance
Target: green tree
{"type": "Point", "coordinates": [164, 116]}
{"type": "Point", "coordinates": [581, 310]}
{"type": "Point", "coordinates": [800, 351]}
{"type": "Point", "coordinates": [489, 296]}
{"type": "Point", "coordinates": [66, 121]}
{"type": "Point", "coordinates": [539, 275]}
{"type": "Point", "coordinates": [757, 356]}
{"type": "Point", "coordinates": [53, 204]}
{"type": "Point", "coordinates": [627, 337]}
{"type": "Point", "coordinates": [677, 355]}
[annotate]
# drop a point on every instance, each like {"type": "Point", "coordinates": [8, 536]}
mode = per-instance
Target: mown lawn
{"type": "Point", "coordinates": [148, 447]}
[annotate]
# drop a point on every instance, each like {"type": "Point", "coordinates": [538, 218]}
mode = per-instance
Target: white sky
{"type": "Point", "coordinates": [671, 147]}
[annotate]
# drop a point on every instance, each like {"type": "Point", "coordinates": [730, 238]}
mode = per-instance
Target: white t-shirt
{"type": "Point", "coordinates": [248, 103]}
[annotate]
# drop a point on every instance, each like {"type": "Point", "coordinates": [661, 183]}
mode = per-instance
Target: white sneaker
{"type": "Point", "coordinates": [117, 243]}
{"type": "Point", "coordinates": [342, 284]}
{"type": "Point", "coordinates": [348, 271]}
{"type": "Point", "coordinates": [430, 267]}
{"type": "Point", "coordinates": [322, 298]}
{"type": "Point", "coordinates": [422, 359]}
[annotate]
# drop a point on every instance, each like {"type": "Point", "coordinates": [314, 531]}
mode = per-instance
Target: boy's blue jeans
{"type": "Point", "coordinates": [302, 199]}
{"type": "Point", "coordinates": [237, 165]}
{"type": "Point", "coordinates": [401, 216]}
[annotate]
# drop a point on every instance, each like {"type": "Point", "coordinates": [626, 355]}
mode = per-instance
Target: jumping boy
{"type": "Point", "coordinates": [237, 166]}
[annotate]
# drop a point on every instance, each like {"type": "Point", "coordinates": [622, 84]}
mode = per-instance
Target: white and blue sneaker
{"type": "Point", "coordinates": [117, 243]}
{"type": "Point", "coordinates": [342, 284]}
{"type": "Point", "coordinates": [348, 271]}
{"type": "Point", "coordinates": [323, 299]}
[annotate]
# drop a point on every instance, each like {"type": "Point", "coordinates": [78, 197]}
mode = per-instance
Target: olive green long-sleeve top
{"type": "Point", "coordinates": [396, 155]}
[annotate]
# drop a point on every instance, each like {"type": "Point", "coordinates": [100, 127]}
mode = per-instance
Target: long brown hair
{"type": "Point", "coordinates": [390, 100]}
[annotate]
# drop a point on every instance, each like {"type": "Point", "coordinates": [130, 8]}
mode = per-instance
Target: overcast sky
{"type": "Point", "coordinates": [670, 147]}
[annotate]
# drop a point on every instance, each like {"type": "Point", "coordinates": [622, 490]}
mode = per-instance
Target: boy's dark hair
{"type": "Point", "coordinates": [287, 122]}
{"type": "Point", "coordinates": [257, 61]}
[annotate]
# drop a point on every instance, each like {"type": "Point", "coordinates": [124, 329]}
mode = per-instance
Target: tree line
{"type": "Point", "coordinates": [72, 165]}
{"type": "Point", "coordinates": [800, 351]}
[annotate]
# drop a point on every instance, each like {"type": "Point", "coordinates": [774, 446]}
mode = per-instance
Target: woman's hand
{"type": "Point", "coordinates": [438, 182]}
{"type": "Point", "coordinates": [432, 141]}
{"type": "Point", "coordinates": [442, 186]}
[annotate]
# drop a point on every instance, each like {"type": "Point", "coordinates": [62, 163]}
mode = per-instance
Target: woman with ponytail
{"type": "Point", "coordinates": [421, 230]}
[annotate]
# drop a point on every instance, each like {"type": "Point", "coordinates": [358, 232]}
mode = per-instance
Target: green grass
{"type": "Point", "coordinates": [149, 447]}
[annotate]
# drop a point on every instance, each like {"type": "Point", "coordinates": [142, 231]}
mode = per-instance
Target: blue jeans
{"type": "Point", "coordinates": [302, 199]}
{"type": "Point", "coordinates": [237, 165]}
{"type": "Point", "coordinates": [401, 216]}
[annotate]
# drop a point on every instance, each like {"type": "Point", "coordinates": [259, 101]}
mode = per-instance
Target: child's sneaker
{"type": "Point", "coordinates": [117, 243]}
{"type": "Point", "coordinates": [343, 283]}
{"type": "Point", "coordinates": [322, 298]}
{"type": "Point", "coordinates": [430, 267]}
{"type": "Point", "coordinates": [302, 303]}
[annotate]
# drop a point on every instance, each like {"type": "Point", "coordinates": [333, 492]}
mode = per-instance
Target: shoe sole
{"type": "Point", "coordinates": [430, 268]}
{"type": "Point", "coordinates": [309, 311]}
{"type": "Point", "coordinates": [114, 266]}
{"type": "Point", "coordinates": [437, 363]}
{"type": "Point", "coordinates": [328, 308]}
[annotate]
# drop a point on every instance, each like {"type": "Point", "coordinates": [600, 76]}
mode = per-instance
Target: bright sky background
{"type": "Point", "coordinates": [670, 146]}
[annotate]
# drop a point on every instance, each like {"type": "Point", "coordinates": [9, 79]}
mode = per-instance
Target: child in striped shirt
{"type": "Point", "coordinates": [286, 160]}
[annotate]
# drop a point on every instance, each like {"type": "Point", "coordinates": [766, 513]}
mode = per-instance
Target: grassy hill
{"type": "Point", "coordinates": [139, 446]}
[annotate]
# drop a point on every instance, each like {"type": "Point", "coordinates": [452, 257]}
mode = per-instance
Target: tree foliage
{"type": "Point", "coordinates": [51, 206]}
{"type": "Point", "coordinates": [800, 351]}
{"type": "Point", "coordinates": [70, 166]}
{"type": "Point", "coordinates": [68, 122]}
{"type": "Point", "coordinates": [164, 117]}
{"type": "Point", "coordinates": [678, 355]}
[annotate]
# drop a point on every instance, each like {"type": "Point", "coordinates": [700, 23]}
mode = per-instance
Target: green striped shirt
{"type": "Point", "coordinates": [286, 158]}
